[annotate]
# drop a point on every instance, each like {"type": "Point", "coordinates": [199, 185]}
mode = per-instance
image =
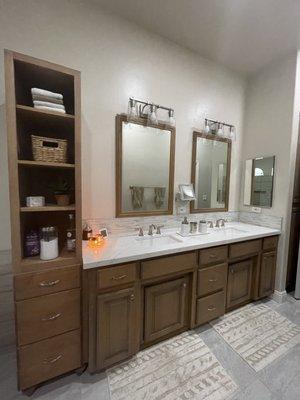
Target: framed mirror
{"type": "Point", "coordinates": [144, 168]}
{"type": "Point", "coordinates": [259, 182]}
{"type": "Point", "coordinates": [211, 159]}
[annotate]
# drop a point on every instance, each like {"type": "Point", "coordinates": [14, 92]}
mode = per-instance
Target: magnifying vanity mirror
{"type": "Point", "coordinates": [259, 179]}
{"type": "Point", "coordinates": [211, 159]}
{"type": "Point", "coordinates": [144, 167]}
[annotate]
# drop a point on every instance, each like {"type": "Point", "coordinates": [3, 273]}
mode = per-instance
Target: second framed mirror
{"type": "Point", "coordinates": [211, 158]}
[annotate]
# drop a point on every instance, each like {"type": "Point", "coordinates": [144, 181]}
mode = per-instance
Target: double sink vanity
{"type": "Point", "coordinates": [139, 290]}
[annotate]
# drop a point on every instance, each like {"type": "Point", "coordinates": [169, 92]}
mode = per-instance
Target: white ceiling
{"type": "Point", "coordinates": [244, 35]}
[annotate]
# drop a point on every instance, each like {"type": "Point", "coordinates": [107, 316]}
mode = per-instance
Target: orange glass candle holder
{"type": "Point", "coordinates": [95, 241]}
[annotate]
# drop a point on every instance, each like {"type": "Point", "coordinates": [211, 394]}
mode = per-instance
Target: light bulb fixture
{"type": "Point", "coordinates": [172, 121]}
{"type": "Point", "coordinates": [222, 129]}
{"type": "Point", "coordinates": [144, 109]}
{"type": "Point", "coordinates": [132, 109]}
{"type": "Point", "coordinates": [152, 117]}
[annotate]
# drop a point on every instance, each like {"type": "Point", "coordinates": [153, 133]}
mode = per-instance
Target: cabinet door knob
{"type": "Point", "coordinates": [132, 297]}
{"type": "Point", "coordinates": [232, 270]}
{"type": "Point", "coordinates": [49, 284]}
{"type": "Point", "coordinates": [118, 278]}
{"type": "Point", "coordinates": [52, 360]}
{"type": "Point", "coordinates": [51, 318]}
{"type": "Point", "coordinates": [184, 285]}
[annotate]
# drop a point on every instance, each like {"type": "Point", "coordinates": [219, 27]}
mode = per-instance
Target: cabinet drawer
{"type": "Point", "coordinates": [44, 360]}
{"type": "Point", "coordinates": [211, 279]}
{"type": "Point", "coordinates": [46, 282]}
{"type": "Point", "coordinates": [244, 248]}
{"type": "Point", "coordinates": [213, 255]}
{"type": "Point", "coordinates": [168, 265]}
{"type": "Point", "coordinates": [210, 307]}
{"type": "Point", "coordinates": [115, 276]}
{"type": "Point", "coordinates": [270, 243]}
{"type": "Point", "coordinates": [47, 316]}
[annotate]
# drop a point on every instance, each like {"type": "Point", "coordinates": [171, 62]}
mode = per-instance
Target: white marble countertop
{"type": "Point", "coordinates": [120, 249]}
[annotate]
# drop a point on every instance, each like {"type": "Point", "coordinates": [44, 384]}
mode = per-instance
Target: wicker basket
{"type": "Point", "coordinates": [48, 149]}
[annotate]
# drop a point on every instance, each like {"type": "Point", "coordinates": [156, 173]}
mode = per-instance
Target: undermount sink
{"type": "Point", "coordinates": [158, 239]}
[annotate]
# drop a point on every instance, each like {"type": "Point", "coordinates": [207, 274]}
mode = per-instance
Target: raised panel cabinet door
{"type": "Point", "coordinates": [267, 274]}
{"type": "Point", "coordinates": [115, 327]}
{"type": "Point", "coordinates": [239, 286]}
{"type": "Point", "coordinates": [166, 308]}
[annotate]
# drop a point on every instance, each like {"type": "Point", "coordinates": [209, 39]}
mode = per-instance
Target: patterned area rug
{"type": "Point", "coordinates": [182, 368]}
{"type": "Point", "coordinates": [258, 334]}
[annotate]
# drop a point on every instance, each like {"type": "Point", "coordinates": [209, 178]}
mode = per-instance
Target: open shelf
{"type": "Point", "coordinates": [48, 208]}
{"type": "Point", "coordinates": [37, 112]}
{"type": "Point", "coordinates": [41, 164]}
{"type": "Point", "coordinates": [65, 258]}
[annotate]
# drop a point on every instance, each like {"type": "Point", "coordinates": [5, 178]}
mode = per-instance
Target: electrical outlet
{"type": "Point", "coordinates": [256, 210]}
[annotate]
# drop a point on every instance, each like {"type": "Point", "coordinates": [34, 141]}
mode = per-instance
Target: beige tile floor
{"type": "Point", "coordinates": [278, 381]}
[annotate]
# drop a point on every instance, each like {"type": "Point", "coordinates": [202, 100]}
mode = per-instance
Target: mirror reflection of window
{"type": "Point", "coordinates": [258, 190]}
{"type": "Point", "coordinates": [210, 174]}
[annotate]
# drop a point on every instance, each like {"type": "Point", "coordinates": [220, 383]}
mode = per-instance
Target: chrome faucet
{"type": "Point", "coordinates": [151, 227]}
{"type": "Point", "coordinates": [210, 224]}
{"type": "Point", "coordinates": [140, 229]}
{"type": "Point", "coordinates": [158, 229]}
{"type": "Point", "coordinates": [220, 223]}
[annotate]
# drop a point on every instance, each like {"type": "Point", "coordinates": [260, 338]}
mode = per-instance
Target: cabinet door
{"type": "Point", "coordinates": [166, 308]}
{"type": "Point", "coordinates": [239, 285]}
{"type": "Point", "coordinates": [267, 274]}
{"type": "Point", "coordinates": [115, 327]}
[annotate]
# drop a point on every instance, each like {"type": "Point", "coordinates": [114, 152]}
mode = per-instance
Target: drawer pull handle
{"type": "Point", "coordinates": [118, 278]}
{"type": "Point", "coordinates": [212, 280]}
{"type": "Point", "coordinates": [52, 360]}
{"type": "Point", "coordinates": [212, 256]}
{"type": "Point", "coordinates": [49, 284]}
{"type": "Point", "coordinates": [52, 317]}
{"type": "Point", "coordinates": [211, 308]}
{"type": "Point", "coordinates": [132, 297]}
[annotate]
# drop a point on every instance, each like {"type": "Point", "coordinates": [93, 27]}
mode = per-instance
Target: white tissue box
{"type": "Point", "coordinates": [35, 201]}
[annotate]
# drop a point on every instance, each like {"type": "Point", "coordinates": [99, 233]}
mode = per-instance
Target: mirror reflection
{"type": "Point", "coordinates": [210, 172]}
{"type": "Point", "coordinates": [259, 178]}
{"type": "Point", "coordinates": [146, 170]}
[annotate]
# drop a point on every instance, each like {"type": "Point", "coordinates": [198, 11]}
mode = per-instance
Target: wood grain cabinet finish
{"type": "Point", "coordinates": [267, 274]}
{"type": "Point", "coordinates": [115, 276]}
{"type": "Point", "coordinates": [46, 282]}
{"type": "Point", "coordinates": [166, 308]}
{"type": "Point", "coordinates": [210, 307]}
{"type": "Point", "coordinates": [270, 243]}
{"type": "Point", "coordinates": [42, 317]}
{"type": "Point", "coordinates": [242, 249]}
{"type": "Point", "coordinates": [213, 255]}
{"type": "Point", "coordinates": [168, 265]}
{"type": "Point", "coordinates": [211, 279]}
{"type": "Point", "coordinates": [115, 327]}
{"type": "Point", "coordinates": [239, 285]}
{"type": "Point", "coordinates": [48, 358]}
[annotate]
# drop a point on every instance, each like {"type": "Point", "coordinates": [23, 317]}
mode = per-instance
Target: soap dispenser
{"type": "Point", "coordinates": [185, 227]}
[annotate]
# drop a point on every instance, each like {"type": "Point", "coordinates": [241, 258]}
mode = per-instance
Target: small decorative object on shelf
{"type": "Point", "coordinates": [49, 243]}
{"type": "Point", "coordinates": [71, 234]}
{"type": "Point", "coordinates": [95, 241]}
{"type": "Point", "coordinates": [49, 149]}
{"type": "Point", "coordinates": [32, 243]}
{"type": "Point", "coordinates": [61, 190]}
{"type": "Point", "coordinates": [87, 232]}
{"type": "Point", "coordinates": [35, 201]}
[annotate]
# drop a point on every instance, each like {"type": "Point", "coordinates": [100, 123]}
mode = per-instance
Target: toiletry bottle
{"type": "Point", "coordinates": [87, 232]}
{"type": "Point", "coordinates": [71, 234]}
{"type": "Point", "coordinates": [185, 227]}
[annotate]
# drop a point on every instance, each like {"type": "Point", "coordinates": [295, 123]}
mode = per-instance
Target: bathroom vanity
{"type": "Point", "coordinates": [137, 295]}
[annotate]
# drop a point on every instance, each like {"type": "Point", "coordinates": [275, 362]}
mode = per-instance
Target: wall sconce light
{"type": "Point", "coordinates": [220, 129]}
{"type": "Point", "coordinates": [144, 109]}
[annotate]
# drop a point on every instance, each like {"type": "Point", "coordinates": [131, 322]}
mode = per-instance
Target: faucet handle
{"type": "Point", "coordinates": [158, 229]}
{"type": "Point", "coordinates": [140, 229]}
{"type": "Point", "coordinates": [210, 224]}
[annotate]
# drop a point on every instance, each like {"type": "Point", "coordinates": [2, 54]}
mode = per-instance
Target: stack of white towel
{"type": "Point", "coordinates": [46, 100]}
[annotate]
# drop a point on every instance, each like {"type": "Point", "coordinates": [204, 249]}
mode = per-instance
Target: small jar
{"type": "Point", "coordinates": [48, 243]}
{"type": "Point", "coordinates": [202, 226]}
{"type": "Point", "coordinates": [193, 227]}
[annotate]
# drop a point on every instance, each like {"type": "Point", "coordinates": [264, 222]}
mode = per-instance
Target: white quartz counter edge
{"type": "Point", "coordinates": [117, 250]}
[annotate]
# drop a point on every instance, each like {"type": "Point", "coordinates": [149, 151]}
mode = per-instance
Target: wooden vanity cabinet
{"type": "Point", "coordinates": [267, 274]}
{"type": "Point", "coordinates": [115, 338]}
{"type": "Point", "coordinates": [166, 308]}
{"type": "Point", "coordinates": [239, 285]}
